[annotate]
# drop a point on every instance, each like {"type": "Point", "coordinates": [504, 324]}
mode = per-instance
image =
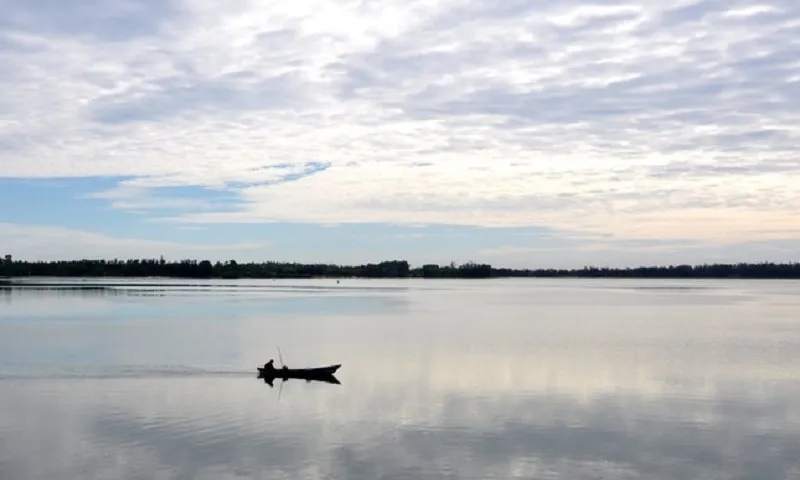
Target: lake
{"type": "Point", "coordinates": [456, 379]}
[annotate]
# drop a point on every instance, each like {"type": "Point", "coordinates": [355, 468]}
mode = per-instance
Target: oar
{"type": "Point", "coordinates": [280, 357]}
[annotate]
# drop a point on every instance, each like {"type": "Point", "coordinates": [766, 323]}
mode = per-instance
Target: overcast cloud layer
{"type": "Point", "coordinates": [639, 119]}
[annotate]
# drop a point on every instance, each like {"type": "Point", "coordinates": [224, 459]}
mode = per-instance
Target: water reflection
{"type": "Point", "coordinates": [191, 429]}
{"type": "Point", "coordinates": [270, 380]}
{"type": "Point", "coordinates": [103, 299]}
{"type": "Point", "coordinates": [464, 382]}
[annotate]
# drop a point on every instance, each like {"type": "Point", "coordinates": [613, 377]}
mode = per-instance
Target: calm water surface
{"type": "Point", "coordinates": [572, 379]}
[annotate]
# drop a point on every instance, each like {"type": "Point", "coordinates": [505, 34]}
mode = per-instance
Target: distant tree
{"type": "Point", "coordinates": [189, 268]}
{"type": "Point", "coordinates": [205, 269]}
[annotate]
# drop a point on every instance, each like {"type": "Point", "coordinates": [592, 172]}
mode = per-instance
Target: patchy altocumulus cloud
{"type": "Point", "coordinates": [643, 119]}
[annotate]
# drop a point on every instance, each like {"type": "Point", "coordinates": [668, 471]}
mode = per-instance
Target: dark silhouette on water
{"type": "Point", "coordinates": [269, 380]}
{"type": "Point", "coordinates": [319, 374]}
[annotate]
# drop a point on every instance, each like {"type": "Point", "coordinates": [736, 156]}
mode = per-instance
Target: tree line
{"type": "Point", "coordinates": [188, 268]}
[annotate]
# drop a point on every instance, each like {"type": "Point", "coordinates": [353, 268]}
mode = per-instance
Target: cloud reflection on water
{"type": "Point", "coordinates": [484, 380]}
{"type": "Point", "coordinates": [222, 428]}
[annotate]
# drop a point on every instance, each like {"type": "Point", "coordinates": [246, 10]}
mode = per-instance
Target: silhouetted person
{"type": "Point", "coordinates": [268, 365]}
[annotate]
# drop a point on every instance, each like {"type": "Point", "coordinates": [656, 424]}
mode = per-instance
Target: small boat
{"type": "Point", "coordinates": [318, 373]}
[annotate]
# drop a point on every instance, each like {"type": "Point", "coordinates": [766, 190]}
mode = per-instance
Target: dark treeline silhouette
{"type": "Point", "coordinates": [389, 269]}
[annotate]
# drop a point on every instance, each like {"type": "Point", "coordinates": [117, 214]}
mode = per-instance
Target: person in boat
{"type": "Point", "coordinates": [269, 365]}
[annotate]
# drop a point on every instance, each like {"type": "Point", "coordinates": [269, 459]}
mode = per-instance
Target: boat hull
{"type": "Point", "coordinates": [299, 373]}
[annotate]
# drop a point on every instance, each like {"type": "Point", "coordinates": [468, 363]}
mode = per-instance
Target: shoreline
{"type": "Point", "coordinates": [394, 269]}
{"type": "Point", "coordinates": [99, 282]}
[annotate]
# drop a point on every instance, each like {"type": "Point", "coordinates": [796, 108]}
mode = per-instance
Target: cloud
{"type": "Point", "coordinates": [638, 119]}
{"type": "Point", "coordinates": [126, 197]}
{"type": "Point", "coordinates": [177, 193]}
{"type": "Point", "coordinates": [100, 20]}
{"type": "Point", "coordinates": [35, 242]}
{"type": "Point", "coordinates": [180, 97]}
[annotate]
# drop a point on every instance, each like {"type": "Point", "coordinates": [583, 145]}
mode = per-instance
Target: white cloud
{"type": "Point", "coordinates": [639, 118]}
{"type": "Point", "coordinates": [35, 242]}
{"type": "Point", "coordinates": [752, 10]}
{"type": "Point", "coordinates": [127, 197]}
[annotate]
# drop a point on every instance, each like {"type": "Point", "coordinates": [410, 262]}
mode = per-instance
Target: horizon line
{"type": "Point", "coordinates": [450, 264]}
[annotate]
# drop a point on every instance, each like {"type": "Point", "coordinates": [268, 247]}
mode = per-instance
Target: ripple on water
{"type": "Point", "coordinates": [53, 371]}
{"type": "Point", "coordinates": [487, 380]}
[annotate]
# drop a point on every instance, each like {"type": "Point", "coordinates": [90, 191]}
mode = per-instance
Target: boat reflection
{"type": "Point", "coordinates": [270, 379]}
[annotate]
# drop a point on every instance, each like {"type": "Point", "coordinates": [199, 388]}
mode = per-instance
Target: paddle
{"type": "Point", "coordinates": [280, 390]}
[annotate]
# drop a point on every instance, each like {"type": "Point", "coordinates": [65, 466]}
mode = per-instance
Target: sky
{"type": "Point", "coordinates": [520, 133]}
